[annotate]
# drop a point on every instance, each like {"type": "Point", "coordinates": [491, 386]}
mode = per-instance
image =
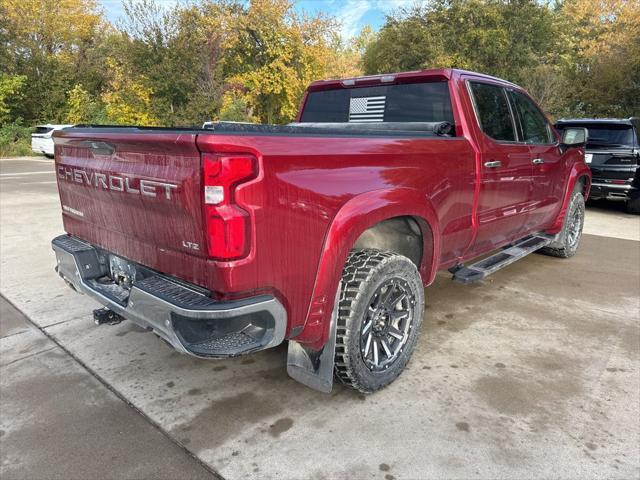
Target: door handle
{"type": "Point", "coordinates": [493, 164]}
{"type": "Point", "coordinates": [538, 161]}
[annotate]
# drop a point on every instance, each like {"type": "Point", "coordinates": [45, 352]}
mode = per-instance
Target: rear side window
{"type": "Point", "coordinates": [493, 111]}
{"type": "Point", "coordinates": [414, 102]}
{"type": "Point", "coordinates": [535, 128]}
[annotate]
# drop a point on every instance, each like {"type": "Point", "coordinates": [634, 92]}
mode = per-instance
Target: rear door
{"type": "Point", "coordinates": [132, 191]}
{"type": "Point", "coordinates": [548, 178]}
{"type": "Point", "coordinates": [505, 169]}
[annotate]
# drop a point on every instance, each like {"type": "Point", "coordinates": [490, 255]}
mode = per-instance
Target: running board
{"type": "Point", "coordinates": [489, 265]}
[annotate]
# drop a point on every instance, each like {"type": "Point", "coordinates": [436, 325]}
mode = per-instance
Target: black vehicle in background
{"type": "Point", "coordinates": [613, 154]}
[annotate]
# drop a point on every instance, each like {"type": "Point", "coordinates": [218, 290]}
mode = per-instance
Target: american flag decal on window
{"type": "Point", "coordinates": [367, 109]}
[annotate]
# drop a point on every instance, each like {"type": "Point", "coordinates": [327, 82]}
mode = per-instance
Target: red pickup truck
{"type": "Point", "coordinates": [323, 232]}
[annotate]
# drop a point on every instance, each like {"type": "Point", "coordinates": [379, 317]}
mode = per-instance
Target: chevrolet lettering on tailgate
{"type": "Point", "coordinates": [118, 183]}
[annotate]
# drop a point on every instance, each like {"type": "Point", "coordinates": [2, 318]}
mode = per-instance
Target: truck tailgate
{"type": "Point", "coordinates": [132, 191]}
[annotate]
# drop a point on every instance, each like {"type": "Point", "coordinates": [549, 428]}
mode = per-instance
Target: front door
{"type": "Point", "coordinates": [547, 162]}
{"type": "Point", "coordinates": [505, 169]}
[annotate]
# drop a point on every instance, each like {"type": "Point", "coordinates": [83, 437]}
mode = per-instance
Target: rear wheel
{"type": "Point", "coordinates": [379, 315]}
{"type": "Point", "coordinates": [569, 238]}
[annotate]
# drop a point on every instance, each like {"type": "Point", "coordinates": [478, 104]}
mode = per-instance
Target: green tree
{"type": "Point", "coordinates": [47, 41]}
{"type": "Point", "coordinates": [172, 66]}
{"type": "Point", "coordinates": [234, 108]}
{"type": "Point", "coordinates": [346, 60]}
{"type": "Point", "coordinates": [276, 53]}
{"type": "Point", "coordinates": [502, 38]}
{"type": "Point", "coordinates": [602, 61]}
{"type": "Point", "coordinates": [11, 92]}
{"type": "Point", "coordinates": [82, 107]}
{"type": "Point", "coordinates": [15, 139]}
{"type": "Point", "coordinates": [576, 57]}
{"type": "Point", "coordinates": [127, 100]}
{"type": "Point", "coordinates": [178, 51]}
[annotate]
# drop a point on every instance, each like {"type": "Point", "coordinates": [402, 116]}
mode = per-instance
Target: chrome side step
{"type": "Point", "coordinates": [487, 266]}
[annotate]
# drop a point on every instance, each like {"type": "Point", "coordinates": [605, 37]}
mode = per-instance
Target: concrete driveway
{"type": "Point", "coordinates": [532, 373]}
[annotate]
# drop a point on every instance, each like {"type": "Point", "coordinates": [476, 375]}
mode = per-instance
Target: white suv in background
{"type": "Point", "coordinates": [41, 141]}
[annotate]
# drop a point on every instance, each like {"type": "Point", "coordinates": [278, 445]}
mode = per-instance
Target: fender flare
{"type": "Point", "coordinates": [577, 172]}
{"type": "Point", "coordinates": [354, 217]}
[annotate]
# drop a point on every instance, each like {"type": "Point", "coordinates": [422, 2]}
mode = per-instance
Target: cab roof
{"type": "Point", "coordinates": [413, 76]}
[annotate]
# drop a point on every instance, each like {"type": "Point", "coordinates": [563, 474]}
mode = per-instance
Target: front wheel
{"type": "Point", "coordinates": [379, 315]}
{"type": "Point", "coordinates": [569, 238]}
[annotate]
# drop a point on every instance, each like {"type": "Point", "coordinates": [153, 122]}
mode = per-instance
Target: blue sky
{"type": "Point", "coordinates": [353, 14]}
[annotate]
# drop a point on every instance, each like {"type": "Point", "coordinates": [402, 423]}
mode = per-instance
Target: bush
{"type": "Point", "coordinates": [84, 108]}
{"type": "Point", "coordinates": [235, 109]}
{"type": "Point", "coordinates": [15, 140]}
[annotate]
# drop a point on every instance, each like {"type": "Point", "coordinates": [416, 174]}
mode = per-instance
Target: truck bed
{"type": "Point", "coordinates": [306, 176]}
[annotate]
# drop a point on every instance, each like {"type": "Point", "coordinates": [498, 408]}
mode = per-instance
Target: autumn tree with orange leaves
{"type": "Point", "coordinates": [62, 61]}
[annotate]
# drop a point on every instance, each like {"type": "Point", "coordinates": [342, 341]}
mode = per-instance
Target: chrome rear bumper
{"type": "Point", "coordinates": [182, 314]}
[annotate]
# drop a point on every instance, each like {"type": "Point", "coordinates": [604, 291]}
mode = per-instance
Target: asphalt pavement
{"type": "Point", "coordinates": [531, 373]}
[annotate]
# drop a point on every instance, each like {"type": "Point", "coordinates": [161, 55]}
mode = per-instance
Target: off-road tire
{"type": "Point", "coordinates": [633, 204]}
{"type": "Point", "coordinates": [365, 273]}
{"type": "Point", "coordinates": [566, 244]}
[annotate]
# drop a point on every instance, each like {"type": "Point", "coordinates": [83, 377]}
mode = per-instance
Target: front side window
{"type": "Point", "coordinates": [493, 111]}
{"type": "Point", "coordinates": [534, 126]}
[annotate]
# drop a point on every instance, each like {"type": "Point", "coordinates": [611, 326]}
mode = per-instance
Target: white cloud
{"type": "Point", "coordinates": [388, 6]}
{"type": "Point", "coordinates": [350, 15]}
{"type": "Point", "coordinates": [115, 11]}
{"type": "Point", "coordinates": [352, 12]}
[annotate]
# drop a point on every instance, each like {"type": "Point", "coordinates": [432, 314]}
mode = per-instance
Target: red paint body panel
{"type": "Point", "coordinates": [311, 200]}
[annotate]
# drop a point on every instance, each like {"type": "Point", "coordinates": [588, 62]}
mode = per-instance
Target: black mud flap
{"type": "Point", "coordinates": [314, 368]}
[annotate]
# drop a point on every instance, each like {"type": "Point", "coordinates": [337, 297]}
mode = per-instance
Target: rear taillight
{"type": "Point", "coordinates": [228, 225]}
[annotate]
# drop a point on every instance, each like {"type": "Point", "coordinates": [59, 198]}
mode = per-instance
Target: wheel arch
{"type": "Point", "coordinates": [579, 174]}
{"type": "Point", "coordinates": [368, 218]}
{"type": "Point", "coordinates": [584, 181]}
{"type": "Point", "coordinates": [406, 235]}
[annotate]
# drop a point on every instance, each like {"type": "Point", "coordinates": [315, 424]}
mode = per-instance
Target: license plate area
{"type": "Point", "coordinates": [116, 283]}
{"type": "Point", "coordinates": [122, 271]}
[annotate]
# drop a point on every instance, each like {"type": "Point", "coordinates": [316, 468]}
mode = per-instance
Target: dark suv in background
{"type": "Point", "coordinates": [613, 154]}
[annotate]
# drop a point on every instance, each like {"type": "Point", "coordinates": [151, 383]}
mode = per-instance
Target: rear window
{"type": "Point", "coordinates": [606, 135]}
{"type": "Point", "coordinates": [43, 129]}
{"type": "Point", "coordinates": [414, 102]}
